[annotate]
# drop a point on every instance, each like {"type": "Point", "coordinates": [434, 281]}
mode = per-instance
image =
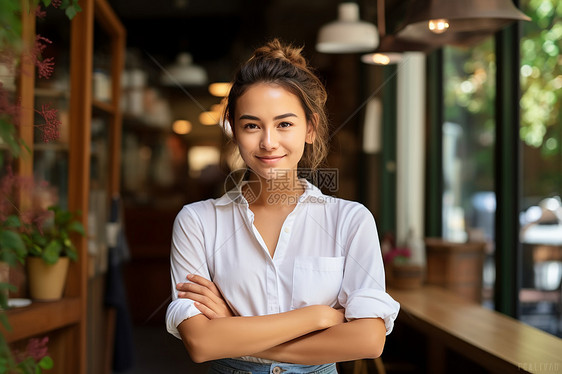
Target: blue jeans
{"type": "Point", "coordinates": [233, 366]}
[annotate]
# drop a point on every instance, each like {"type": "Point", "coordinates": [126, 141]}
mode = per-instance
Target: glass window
{"type": "Point", "coordinates": [541, 165]}
{"type": "Point", "coordinates": [468, 150]}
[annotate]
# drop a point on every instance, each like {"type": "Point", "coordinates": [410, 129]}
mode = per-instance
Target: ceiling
{"type": "Point", "coordinates": [219, 33]}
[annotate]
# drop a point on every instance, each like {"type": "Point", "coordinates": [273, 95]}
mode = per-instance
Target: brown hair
{"type": "Point", "coordinates": [284, 65]}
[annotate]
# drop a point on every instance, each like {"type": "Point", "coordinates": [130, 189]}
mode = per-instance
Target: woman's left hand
{"type": "Point", "coordinates": [206, 295]}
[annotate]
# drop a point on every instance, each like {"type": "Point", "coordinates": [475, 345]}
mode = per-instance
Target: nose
{"type": "Point", "coordinates": [269, 140]}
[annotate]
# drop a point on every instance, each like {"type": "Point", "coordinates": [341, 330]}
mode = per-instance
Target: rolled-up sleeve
{"type": "Point", "coordinates": [363, 292]}
{"type": "Point", "coordinates": [187, 257]}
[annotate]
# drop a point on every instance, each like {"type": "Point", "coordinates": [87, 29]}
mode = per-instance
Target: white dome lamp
{"type": "Point", "coordinates": [184, 72]}
{"type": "Point", "coordinates": [348, 34]}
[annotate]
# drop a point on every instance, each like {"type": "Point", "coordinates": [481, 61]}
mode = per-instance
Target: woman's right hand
{"type": "Point", "coordinates": [206, 295]}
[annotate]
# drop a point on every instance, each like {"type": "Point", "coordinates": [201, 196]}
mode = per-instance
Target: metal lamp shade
{"type": "Point", "coordinates": [469, 20]}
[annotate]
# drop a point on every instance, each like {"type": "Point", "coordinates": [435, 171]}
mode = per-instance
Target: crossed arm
{"type": "Point", "coordinates": [310, 335]}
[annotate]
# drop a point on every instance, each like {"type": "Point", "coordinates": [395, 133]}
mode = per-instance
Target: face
{"type": "Point", "coordinates": [271, 130]}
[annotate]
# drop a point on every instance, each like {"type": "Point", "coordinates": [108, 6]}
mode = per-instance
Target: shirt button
{"type": "Point", "coordinates": [277, 370]}
{"type": "Point", "coordinates": [287, 230]}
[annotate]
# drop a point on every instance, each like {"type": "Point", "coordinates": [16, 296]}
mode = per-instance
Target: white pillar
{"type": "Point", "coordinates": [410, 157]}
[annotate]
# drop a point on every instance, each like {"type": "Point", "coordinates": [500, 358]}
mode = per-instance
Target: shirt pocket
{"type": "Point", "coordinates": [316, 281]}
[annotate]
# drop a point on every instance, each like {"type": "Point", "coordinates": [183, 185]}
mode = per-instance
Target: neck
{"type": "Point", "coordinates": [282, 191]}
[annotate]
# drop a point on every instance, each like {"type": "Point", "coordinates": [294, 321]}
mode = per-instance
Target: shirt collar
{"type": "Point", "coordinates": [311, 194]}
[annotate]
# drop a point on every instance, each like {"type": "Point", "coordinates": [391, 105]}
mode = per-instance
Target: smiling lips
{"type": "Point", "coordinates": [269, 159]}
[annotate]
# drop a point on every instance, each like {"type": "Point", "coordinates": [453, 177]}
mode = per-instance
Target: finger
{"type": "Point", "coordinates": [198, 298]}
{"type": "Point", "coordinates": [203, 290]}
{"type": "Point", "coordinates": [194, 287]}
{"type": "Point", "coordinates": [212, 310]}
{"type": "Point", "coordinates": [204, 282]}
{"type": "Point", "coordinates": [206, 311]}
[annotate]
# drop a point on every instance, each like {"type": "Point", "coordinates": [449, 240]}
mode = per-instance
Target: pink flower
{"type": "Point", "coordinates": [49, 129]}
{"type": "Point", "coordinates": [41, 197]}
{"type": "Point", "coordinates": [45, 66]}
{"type": "Point", "coordinates": [396, 253]}
{"type": "Point", "coordinates": [40, 13]}
{"type": "Point", "coordinates": [37, 348]}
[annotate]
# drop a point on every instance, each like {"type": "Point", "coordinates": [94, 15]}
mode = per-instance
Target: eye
{"type": "Point", "coordinates": [250, 126]}
{"type": "Point", "coordinates": [284, 125]}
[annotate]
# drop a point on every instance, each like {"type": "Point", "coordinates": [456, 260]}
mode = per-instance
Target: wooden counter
{"type": "Point", "coordinates": [497, 343]}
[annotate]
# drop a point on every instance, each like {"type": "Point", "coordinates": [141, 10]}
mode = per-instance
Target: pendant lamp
{"type": "Point", "coordinates": [461, 22]}
{"type": "Point", "coordinates": [348, 34]}
{"type": "Point", "coordinates": [184, 72]}
{"type": "Point", "coordinates": [391, 48]}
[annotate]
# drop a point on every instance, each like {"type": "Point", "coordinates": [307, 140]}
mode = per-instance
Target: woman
{"type": "Point", "coordinates": [280, 277]}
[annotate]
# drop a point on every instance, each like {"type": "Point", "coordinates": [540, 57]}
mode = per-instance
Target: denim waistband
{"type": "Point", "coordinates": [233, 366]}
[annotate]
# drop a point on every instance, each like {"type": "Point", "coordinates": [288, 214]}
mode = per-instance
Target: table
{"type": "Point", "coordinates": [496, 342]}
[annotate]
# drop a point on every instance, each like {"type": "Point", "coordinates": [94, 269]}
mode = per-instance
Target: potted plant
{"type": "Point", "coordinates": [400, 271]}
{"type": "Point", "coordinates": [50, 248]}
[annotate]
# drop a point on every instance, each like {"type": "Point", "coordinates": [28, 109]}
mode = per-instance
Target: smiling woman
{"type": "Point", "coordinates": [274, 275]}
{"type": "Point", "coordinates": [271, 130]}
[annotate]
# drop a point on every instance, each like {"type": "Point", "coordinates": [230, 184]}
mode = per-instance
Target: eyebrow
{"type": "Point", "coordinates": [281, 116]}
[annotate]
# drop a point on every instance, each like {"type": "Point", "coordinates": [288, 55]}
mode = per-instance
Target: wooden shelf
{"type": "Point", "coordinates": [107, 108]}
{"type": "Point", "coordinates": [50, 147]}
{"type": "Point", "coordinates": [66, 321]}
{"type": "Point", "coordinates": [42, 317]}
{"type": "Point", "coordinates": [54, 93]}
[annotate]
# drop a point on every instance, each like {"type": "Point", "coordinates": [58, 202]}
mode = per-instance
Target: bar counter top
{"type": "Point", "coordinates": [494, 341]}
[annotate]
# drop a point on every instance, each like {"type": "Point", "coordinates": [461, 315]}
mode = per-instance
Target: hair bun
{"type": "Point", "coordinates": [277, 50]}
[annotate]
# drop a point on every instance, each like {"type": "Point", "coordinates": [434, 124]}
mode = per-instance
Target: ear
{"type": "Point", "coordinates": [311, 129]}
{"type": "Point", "coordinates": [229, 130]}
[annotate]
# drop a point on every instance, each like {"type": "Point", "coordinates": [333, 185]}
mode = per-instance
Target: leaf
{"type": "Point", "coordinates": [51, 253]}
{"type": "Point", "coordinates": [12, 221]}
{"type": "Point", "coordinates": [13, 247]}
{"type": "Point", "coordinates": [7, 287]}
{"type": "Point", "coordinates": [71, 11]}
{"type": "Point", "coordinates": [46, 363]}
{"type": "Point", "coordinates": [72, 255]}
{"type": "Point", "coordinates": [4, 321]}
{"type": "Point", "coordinates": [77, 227]}
{"type": "Point", "coordinates": [10, 239]}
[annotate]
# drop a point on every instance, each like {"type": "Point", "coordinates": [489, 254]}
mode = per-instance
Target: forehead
{"type": "Point", "coordinates": [268, 96]}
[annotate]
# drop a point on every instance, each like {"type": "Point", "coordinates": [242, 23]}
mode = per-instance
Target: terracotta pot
{"type": "Point", "coordinates": [46, 282]}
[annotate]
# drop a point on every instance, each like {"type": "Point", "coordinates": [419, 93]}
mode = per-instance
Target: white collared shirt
{"type": "Point", "coordinates": [328, 253]}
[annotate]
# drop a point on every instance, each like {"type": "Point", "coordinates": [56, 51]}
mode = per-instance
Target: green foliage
{"type": "Point", "coordinates": [10, 23]}
{"type": "Point", "coordinates": [541, 76]}
{"type": "Point", "coordinates": [52, 240]}
{"type": "Point", "coordinates": [12, 247]}
{"type": "Point", "coordinates": [469, 89]}
{"type": "Point", "coordinates": [469, 94]}
{"type": "Point", "coordinates": [13, 240]}
{"type": "Point", "coordinates": [8, 133]}
{"type": "Point", "coordinates": [31, 361]}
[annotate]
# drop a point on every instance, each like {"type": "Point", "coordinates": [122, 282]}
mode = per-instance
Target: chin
{"type": "Point", "coordinates": [271, 173]}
